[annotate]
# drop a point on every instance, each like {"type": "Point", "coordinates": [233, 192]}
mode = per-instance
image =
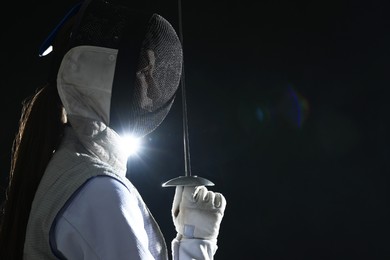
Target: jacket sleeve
{"type": "Point", "coordinates": [103, 221]}
{"type": "Point", "coordinates": [189, 249]}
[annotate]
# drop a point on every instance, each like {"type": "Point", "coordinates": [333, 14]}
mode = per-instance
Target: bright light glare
{"type": "Point", "coordinates": [47, 51]}
{"type": "Point", "coordinates": [131, 145]}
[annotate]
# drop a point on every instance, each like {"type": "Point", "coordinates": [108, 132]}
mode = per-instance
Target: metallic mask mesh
{"type": "Point", "coordinates": [159, 64]}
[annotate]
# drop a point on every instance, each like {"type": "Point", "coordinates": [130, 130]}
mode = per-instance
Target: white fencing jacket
{"type": "Point", "coordinates": [85, 208]}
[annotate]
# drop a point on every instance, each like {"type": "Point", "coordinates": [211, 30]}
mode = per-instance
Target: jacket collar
{"type": "Point", "coordinates": [100, 141]}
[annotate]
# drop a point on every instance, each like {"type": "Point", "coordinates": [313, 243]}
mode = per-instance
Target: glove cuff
{"type": "Point", "coordinates": [179, 237]}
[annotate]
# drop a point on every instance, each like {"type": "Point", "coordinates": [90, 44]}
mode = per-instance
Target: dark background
{"type": "Point", "coordinates": [288, 106]}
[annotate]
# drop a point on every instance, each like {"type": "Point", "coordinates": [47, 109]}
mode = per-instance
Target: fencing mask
{"type": "Point", "coordinates": [119, 65]}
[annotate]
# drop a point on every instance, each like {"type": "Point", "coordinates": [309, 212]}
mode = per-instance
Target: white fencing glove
{"type": "Point", "coordinates": [197, 212]}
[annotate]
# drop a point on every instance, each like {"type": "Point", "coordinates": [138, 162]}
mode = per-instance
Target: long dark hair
{"type": "Point", "coordinates": [41, 127]}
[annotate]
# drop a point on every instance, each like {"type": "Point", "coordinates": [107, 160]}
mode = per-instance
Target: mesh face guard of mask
{"type": "Point", "coordinates": [148, 66]}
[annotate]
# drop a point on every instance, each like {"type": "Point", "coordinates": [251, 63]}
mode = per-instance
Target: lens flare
{"type": "Point", "coordinates": [131, 145]}
{"type": "Point", "coordinates": [47, 51]}
{"type": "Point", "coordinates": [285, 107]}
{"type": "Point", "coordinates": [292, 107]}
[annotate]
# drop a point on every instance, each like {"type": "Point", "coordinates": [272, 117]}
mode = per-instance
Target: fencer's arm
{"type": "Point", "coordinates": [197, 214]}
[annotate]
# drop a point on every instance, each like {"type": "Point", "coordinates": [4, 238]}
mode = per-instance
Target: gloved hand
{"type": "Point", "coordinates": [197, 212]}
